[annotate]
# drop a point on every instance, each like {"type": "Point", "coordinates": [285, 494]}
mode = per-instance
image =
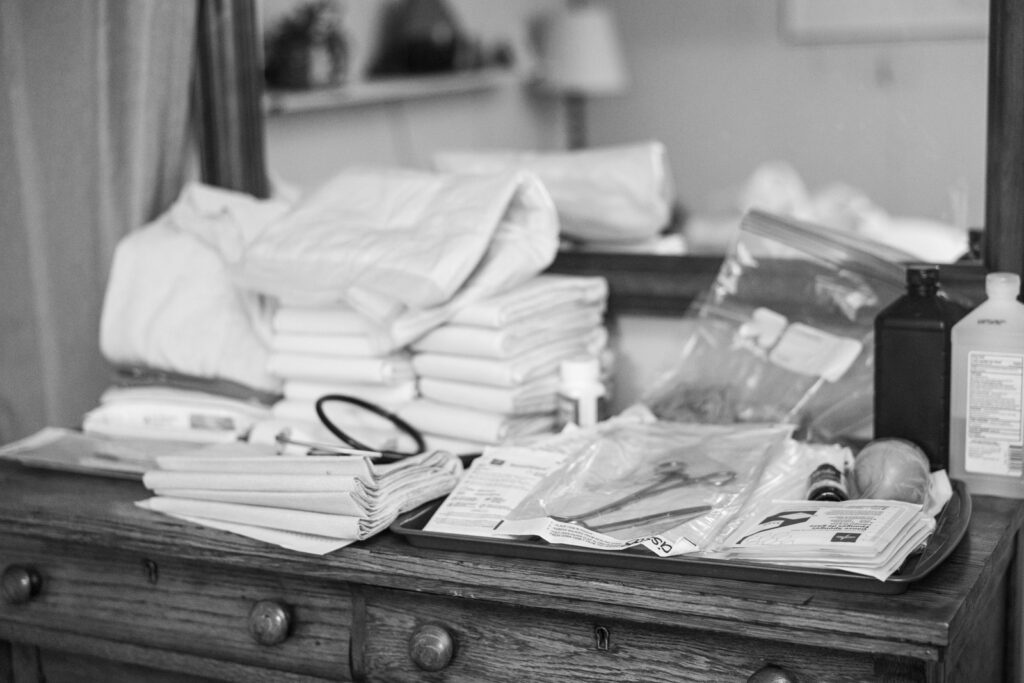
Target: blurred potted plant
{"type": "Point", "coordinates": [307, 48]}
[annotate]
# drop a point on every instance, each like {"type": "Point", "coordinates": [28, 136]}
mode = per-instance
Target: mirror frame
{"type": "Point", "coordinates": [230, 129]}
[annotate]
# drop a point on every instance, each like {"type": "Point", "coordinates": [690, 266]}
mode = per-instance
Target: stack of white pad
{"type": "Point", "coordinates": [313, 504]}
{"type": "Point", "coordinates": [490, 375]}
{"type": "Point", "coordinates": [322, 350]}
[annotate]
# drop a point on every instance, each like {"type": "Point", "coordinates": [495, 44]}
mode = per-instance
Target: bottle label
{"type": "Point", "coordinates": [583, 411]}
{"type": "Point", "coordinates": [995, 414]}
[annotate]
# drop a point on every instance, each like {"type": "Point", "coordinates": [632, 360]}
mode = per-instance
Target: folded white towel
{"type": "Point", "coordinates": [537, 396]}
{"type": "Point", "coordinates": [389, 369]}
{"type": "Point", "coordinates": [508, 372]}
{"type": "Point", "coordinates": [306, 503]}
{"type": "Point", "coordinates": [453, 445]}
{"type": "Point", "coordinates": [537, 294]}
{"type": "Point", "coordinates": [346, 345]}
{"type": "Point", "coordinates": [299, 521]}
{"type": "Point", "coordinates": [338, 319]}
{"type": "Point", "coordinates": [513, 340]}
{"type": "Point", "coordinates": [382, 394]}
{"type": "Point", "coordinates": [329, 503]}
{"type": "Point", "coordinates": [475, 425]}
{"type": "Point", "coordinates": [240, 481]}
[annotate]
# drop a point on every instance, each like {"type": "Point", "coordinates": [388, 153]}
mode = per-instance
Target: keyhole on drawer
{"type": "Point", "coordinates": [602, 638]}
{"type": "Point", "coordinates": [152, 572]}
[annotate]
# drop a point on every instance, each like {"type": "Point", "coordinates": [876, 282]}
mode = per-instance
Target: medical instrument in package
{"type": "Point", "coordinates": [668, 486]}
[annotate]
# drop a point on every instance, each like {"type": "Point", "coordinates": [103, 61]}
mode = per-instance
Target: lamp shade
{"type": "Point", "coordinates": [581, 52]}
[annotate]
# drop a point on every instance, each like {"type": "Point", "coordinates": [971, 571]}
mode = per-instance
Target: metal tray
{"type": "Point", "coordinates": [950, 529]}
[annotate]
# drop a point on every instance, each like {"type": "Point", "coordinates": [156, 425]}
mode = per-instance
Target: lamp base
{"type": "Point", "coordinates": [575, 117]}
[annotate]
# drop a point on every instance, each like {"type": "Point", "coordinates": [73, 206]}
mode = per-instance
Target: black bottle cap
{"type": "Point", "coordinates": [922, 275]}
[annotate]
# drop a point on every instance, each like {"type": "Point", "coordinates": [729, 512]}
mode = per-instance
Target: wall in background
{"type": "Point", "coordinates": [902, 120]}
{"type": "Point", "coordinates": [722, 86]}
{"type": "Point", "coordinates": [304, 149]}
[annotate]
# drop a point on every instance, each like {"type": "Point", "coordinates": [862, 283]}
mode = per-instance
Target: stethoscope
{"type": "Point", "coordinates": [284, 438]}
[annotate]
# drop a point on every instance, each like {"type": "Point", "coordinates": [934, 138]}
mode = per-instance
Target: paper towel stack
{"type": "Point", "coordinates": [308, 503]}
{"type": "Point", "coordinates": [324, 350]}
{"type": "Point", "coordinates": [490, 375]}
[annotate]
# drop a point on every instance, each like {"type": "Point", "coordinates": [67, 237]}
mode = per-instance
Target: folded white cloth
{"type": "Point", "coordinates": [537, 396]}
{"type": "Point", "coordinates": [508, 372]}
{"type": "Point", "coordinates": [452, 444]}
{"type": "Point", "coordinates": [618, 193]}
{"type": "Point", "coordinates": [346, 498]}
{"type": "Point", "coordinates": [460, 422]}
{"type": "Point", "coordinates": [512, 340]}
{"type": "Point", "coordinates": [531, 298]}
{"type": "Point", "coordinates": [385, 395]}
{"type": "Point", "coordinates": [326, 319]}
{"type": "Point", "coordinates": [345, 345]}
{"type": "Point", "coordinates": [316, 523]}
{"type": "Point", "coordinates": [411, 238]}
{"type": "Point", "coordinates": [390, 369]}
{"type": "Point", "coordinates": [170, 303]}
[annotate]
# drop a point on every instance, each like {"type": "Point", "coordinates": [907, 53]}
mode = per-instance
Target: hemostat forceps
{"type": "Point", "coordinates": [671, 475]}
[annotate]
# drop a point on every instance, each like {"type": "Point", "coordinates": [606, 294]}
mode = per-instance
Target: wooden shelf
{"type": "Point", "coordinates": [385, 90]}
{"type": "Point", "coordinates": [656, 285]}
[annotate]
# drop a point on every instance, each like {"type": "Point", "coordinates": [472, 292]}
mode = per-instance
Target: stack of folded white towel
{"type": "Point", "coordinates": [321, 350]}
{"type": "Point", "coordinates": [490, 375]}
{"type": "Point", "coordinates": [308, 503]}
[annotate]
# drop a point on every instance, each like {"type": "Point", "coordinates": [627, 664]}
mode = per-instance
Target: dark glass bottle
{"type": "Point", "coordinates": [826, 483]}
{"type": "Point", "coordinates": [912, 360]}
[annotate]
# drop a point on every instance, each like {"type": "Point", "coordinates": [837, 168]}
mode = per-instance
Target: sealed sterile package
{"type": "Point", "coordinates": [788, 475]}
{"type": "Point", "coordinates": [785, 333]}
{"type": "Point", "coordinates": [667, 486]}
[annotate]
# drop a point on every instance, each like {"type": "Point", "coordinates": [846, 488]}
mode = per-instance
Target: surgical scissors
{"type": "Point", "coordinates": [671, 475]}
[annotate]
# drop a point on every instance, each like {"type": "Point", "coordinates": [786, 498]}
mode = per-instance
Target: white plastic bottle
{"type": "Point", "coordinates": [580, 392]}
{"type": "Point", "coordinates": [986, 435]}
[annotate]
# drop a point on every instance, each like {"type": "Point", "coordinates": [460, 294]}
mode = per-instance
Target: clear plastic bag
{"type": "Point", "coordinates": [785, 333]}
{"type": "Point", "coordinates": [665, 485]}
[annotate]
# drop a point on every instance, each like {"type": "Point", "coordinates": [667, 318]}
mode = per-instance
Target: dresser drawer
{"type": "Point", "coordinates": [162, 604]}
{"type": "Point", "coordinates": [492, 642]}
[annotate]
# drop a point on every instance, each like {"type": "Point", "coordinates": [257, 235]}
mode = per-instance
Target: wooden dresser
{"type": "Point", "coordinates": [96, 589]}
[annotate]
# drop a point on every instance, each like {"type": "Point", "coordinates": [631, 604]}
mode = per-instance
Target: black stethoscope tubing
{"type": "Point", "coordinates": [402, 425]}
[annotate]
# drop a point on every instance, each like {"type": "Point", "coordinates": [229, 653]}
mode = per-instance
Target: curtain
{"type": "Point", "coordinates": [94, 125]}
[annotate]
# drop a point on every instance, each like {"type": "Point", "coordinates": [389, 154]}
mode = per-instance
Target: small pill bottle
{"type": "Point", "coordinates": [581, 394]}
{"type": "Point", "coordinates": [827, 483]}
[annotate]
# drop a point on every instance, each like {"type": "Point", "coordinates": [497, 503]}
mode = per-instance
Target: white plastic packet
{"type": "Point", "coordinates": [604, 194]}
{"type": "Point", "coordinates": [666, 486]}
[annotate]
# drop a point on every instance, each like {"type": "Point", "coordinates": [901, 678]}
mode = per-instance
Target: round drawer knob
{"type": "Point", "coordinates": [269, 622]}
{"type": "Point", "coordinates": [772, 674]}
{"type": "Point", "coordinates": [431, 648]}
{"type": "Point", "coordinates": [21, 584]}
